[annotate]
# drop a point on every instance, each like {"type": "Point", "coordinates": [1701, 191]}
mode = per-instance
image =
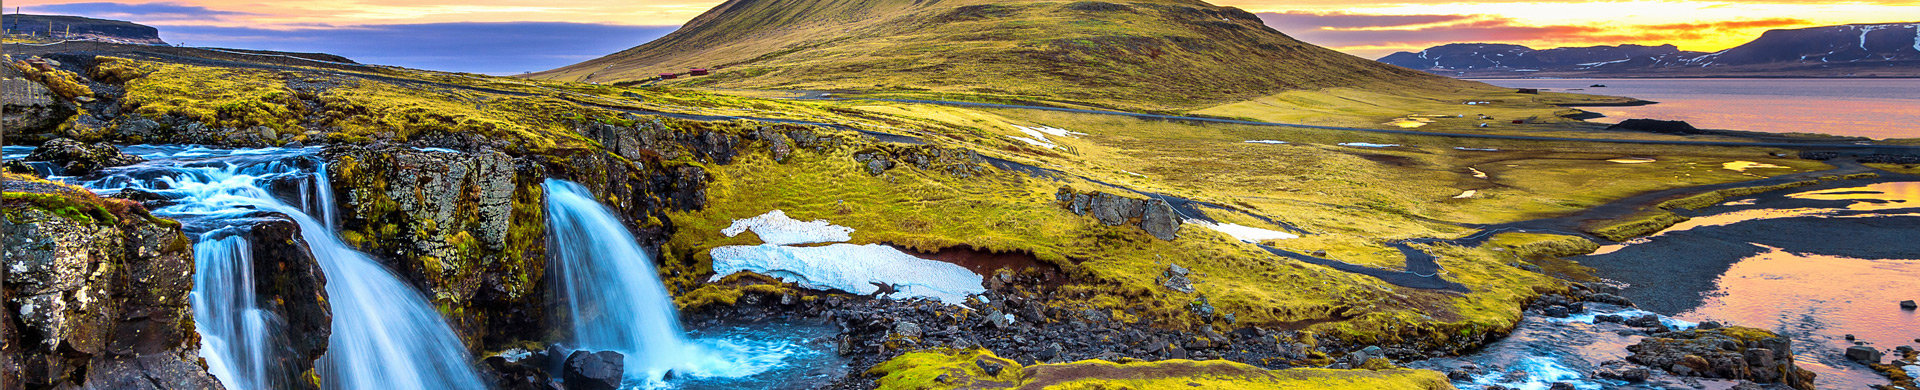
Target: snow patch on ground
{"type": "Point", "coordinates": [1243, 232]}
{"type": "Point", "coordinates": [1367, 145]}
{"type": "Point", "coordinates": [1466, 194]}
{"type": "Point", "coordinates": [1477, 174]}
{"type": "Point", "coordinates": [776, 228]}
{"type": "Point", "coordinates": [857, 269]}
{"type": "Point", "coordinates": [441, 150]}
{"type": "Point", "coordinates": [1476, 149]}
{"type": "Point", "coordinates": [1267, 141]}
{"type": "Point", "coordinates": [1037, 135]}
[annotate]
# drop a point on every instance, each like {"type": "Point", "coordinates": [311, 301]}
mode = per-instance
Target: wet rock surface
{"type": "Point", "coordinates": [601, 370]}
{"type": "Point", "coordinates": [1725, 353]}
{"type": "Point", "coordinates": [292, 286]}
{"type": "Point", "coordinates": [75, 158]}
{"type": "Point", "coordinates": [100, 303]}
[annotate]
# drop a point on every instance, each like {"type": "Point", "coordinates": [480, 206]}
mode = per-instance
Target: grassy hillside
{"type": "Point", "coordinates": [1157, 54]}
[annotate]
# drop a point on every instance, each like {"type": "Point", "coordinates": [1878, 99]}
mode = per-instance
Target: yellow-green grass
{"type": "Point", "coordinates": [1114, 267]}
{"type": "Point", "coordinates": [1714, 197]}
{"type": "Point", "coordinates": [957, 369]}
{"type": "Point", "coordinates": [1540, 245]}
{"type": "Point", "coordinates": [1910, 169]}
{"type": "Point", "coordinates": [1636, 225]}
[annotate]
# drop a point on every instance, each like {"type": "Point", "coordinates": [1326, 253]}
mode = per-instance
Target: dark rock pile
{"type": "Point", "coordinates": [1724, 353]}
{"type": "Point", "coordinates": [1155, 216]}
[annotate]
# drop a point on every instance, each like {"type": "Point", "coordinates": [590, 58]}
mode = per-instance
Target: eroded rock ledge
{"type": "Point", "coordinates": [1155, 216]}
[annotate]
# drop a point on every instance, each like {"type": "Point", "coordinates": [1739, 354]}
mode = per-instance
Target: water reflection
{"type": "Point", "coordinates": [1816, 265]}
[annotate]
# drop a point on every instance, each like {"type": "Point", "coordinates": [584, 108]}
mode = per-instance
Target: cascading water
{"type": "Point", "coordinates": [385, 334]}
{"type": "Point", "coordinates": [616, 301]}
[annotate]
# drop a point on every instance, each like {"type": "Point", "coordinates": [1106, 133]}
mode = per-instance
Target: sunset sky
{"type": "Point", "coordinates": [479, 35]}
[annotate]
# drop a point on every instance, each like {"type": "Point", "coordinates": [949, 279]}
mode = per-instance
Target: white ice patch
{"type": "Point", "coordinates": [1243, 232]}
{"type": "Point", "coordinates": [1267, 141]}
{"type": "Point", "coordinates": [776, 228]}
{"type": "Point", "coordinates": [1912, 371]}
{"type": "Point", "coordinates": [441, 150]}
{"type": "Point", "coordinates": [858, 269]}
{"type": "Point", "coordinates": [1367, 145]}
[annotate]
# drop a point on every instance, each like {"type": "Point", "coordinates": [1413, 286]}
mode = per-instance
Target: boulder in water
{"type": "Point", "coordinates": [1864, 354]}
{"type": "Point", "coordinates": [75, 158]}
{"type": "Point", "coordinates": [594, 370]}
{"type": "Point", "coordinates": [1727, 353]}
{"type": "Point", "coordinates": [1908, 304]}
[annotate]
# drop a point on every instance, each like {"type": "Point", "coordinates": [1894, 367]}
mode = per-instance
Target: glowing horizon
{"type": "Point", "coordinates": [1370, 29]}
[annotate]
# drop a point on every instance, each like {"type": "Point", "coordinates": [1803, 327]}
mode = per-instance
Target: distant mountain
{"type": "Point", "coordinates": [80, 28]}
{"type": "Point", "coordinates": [1861, 50]}
{"type": "Point", "coordinates": [1142, 53]}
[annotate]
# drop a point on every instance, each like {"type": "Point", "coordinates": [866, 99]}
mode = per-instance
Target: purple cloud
{"type": "Point", "coordinates": [148, 12]}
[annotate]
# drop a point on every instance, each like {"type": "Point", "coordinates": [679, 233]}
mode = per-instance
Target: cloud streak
{"type": "Point", "coordinates": [492, 48]}
{"type": "Point", "coordinates": [1373, 36]}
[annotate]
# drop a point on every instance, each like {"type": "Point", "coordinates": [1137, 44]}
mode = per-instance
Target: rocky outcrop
{"type": "Point", "coordinates": [1656, 126]}
{"type": "Point", "coordinates": [291, 285]}
{"type": "Point", "coordinates": [1724, 353]}
{"type": "Point", "coordinates": [30, 111]}
{"type": "Point", "coordinates": [101, 293]}
{"type": "Point", "coordinates": [463, 226]}
{"type": "Point", "coordinates": [75, 158]}
{"type": "Point", "coordinates": [1155, 216]}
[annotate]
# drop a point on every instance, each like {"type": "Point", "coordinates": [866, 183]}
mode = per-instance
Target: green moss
{"type": "Point", "coordinates": [950, 369]}
{"type": "Point", "coordinates": [1539, 245]}
{"type": "Point", "coordinates": [1636, 225]}
{"type": "Point", "coordinates": [1716, 196]}
{"type": "Point", "coordinates": [70, 206]}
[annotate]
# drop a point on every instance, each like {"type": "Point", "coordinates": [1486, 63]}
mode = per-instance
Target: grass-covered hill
{"type": "Point", "coordinates": [1152, 54]}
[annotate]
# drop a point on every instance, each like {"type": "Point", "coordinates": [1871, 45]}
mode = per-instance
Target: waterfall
{"type": "Point", "coordinates": [612, 292]}
{"type": "Point", "coordinates": [385, 334]}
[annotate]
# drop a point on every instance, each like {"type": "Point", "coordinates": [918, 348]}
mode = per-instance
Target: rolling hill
{"type": "Point", "coordinates": [81, 28]}
{"type": "Point", "coordinates": [1160, 54]}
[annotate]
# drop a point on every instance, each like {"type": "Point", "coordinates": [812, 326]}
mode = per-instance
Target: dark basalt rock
{"type": "Point", "coordinates": [520, 375]}
{"type": "Point", "coordinates": [1725, 353]}
{"type": "Point", "coordinates": [291, 285]}
{"type": "Point", "coordinates": [74, 158]}
{"type": "Point", "coordinates": [1864, 354]}
{"type": "Point", "coordinates": [594, 370]}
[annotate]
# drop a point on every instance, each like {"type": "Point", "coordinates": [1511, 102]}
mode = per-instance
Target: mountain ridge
{"type": "Point", "coordinates": [1851, 50]}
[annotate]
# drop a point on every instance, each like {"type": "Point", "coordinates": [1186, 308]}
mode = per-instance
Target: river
{"type": "Point", "coordinates": [1874, 108]}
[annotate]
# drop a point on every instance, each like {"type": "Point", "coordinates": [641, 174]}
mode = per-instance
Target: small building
{"type": "Point", "coordinates": [669, 76]}
{"type": "Point", "coordinates": [1530, 91]}
{"type": "Point", "coordinates": [697, 72]}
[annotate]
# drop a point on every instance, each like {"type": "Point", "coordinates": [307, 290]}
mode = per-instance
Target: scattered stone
{"type": "Point", "coordinates": [906, 329]}
{"type": "Point", "coordinates": [1908, 304]}
{"type": "Point", "coordinates": [1556, 311]}
{"type": "Point", "coordinates": [1710, 325]}
{"type": "Point", "coordinates": [1561, 386]}
{"type": "Point", "coordinates": [1176, 279]}
{"type": "Point", "coordinates": [992, 368]}
{"type": "Point", "coordinates": [1608, 318]}
{"type": "Point", "coordinates": [594, 370]}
